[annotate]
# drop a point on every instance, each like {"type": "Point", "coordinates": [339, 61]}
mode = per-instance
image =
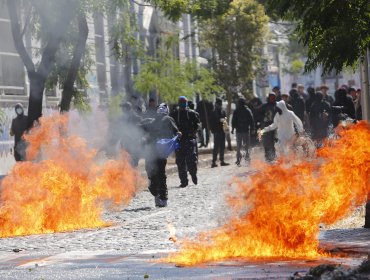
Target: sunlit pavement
{"type": "Point", "coordinates": [130, 249]}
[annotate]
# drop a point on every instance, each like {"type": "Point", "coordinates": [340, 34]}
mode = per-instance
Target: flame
{"type": "Point", "coordinates": [62, 188]}
{"type": "Point", "coordinates": [278, 210]}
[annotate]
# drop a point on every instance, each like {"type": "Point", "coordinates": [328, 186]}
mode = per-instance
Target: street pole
{"type": "Point", "coordinates": [365, 103]}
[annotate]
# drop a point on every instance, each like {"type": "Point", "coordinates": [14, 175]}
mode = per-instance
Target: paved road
{"type": "Point", "coordinates": [140, 235]}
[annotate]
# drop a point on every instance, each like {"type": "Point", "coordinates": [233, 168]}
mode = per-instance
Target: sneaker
{"type": "Point", "coordinates": [237, 163]}
{"type": "Point", "coordinates": [224, 163]}
{"type": "Point", "coordinates": [162, 202]}
{"type": "Point", "coordinates": [194, 179]}
{"type": "Point", "coordinates": [213, 165]}
{"type": "Point", "coordinates": [183, 185]}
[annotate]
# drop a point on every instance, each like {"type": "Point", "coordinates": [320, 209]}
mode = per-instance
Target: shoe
{"type": "Point", "coordinates": [213, 165]}
{"type": "Point", "coordinates": [156, 200]}
{"type": "Point", "coordinates": [237, 163]}
{"type": "Point", "coordinates": [183, 185]}
{"type": "Point", "coordinates": [161, 202]}
{"type": "Point", "coordinates": [201, 146]}
{"type": "Point", "coordinates": [194, 179]}
{"type": "Point", "coordinates": [224, 163]}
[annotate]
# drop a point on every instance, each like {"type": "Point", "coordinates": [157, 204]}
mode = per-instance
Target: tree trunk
{"type": "Point", "coordinates": [68, 87]}
{"type": "Point", "coordinates": [37, 86]}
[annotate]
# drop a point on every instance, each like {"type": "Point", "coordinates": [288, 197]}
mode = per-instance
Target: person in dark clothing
{"type": "Point", "coordinates": [255, 106]}
{"type": "Point", "coordinates": [217, 122]}
{"type": "Point", "coordinates": [319, 119]}
{"type": "Point", "coordinates": [18, 128]}
{"type": "Point", "coordinates": [268, 111]}
{"type": "Point", "coordinates": [297, 103]}
{"type": "Point", "coordinates": [325, 91]}
{"type": "Point", "coordinates": [277, 92]}
{"type": "Point", "coordinates": [186, 157]}
{"type": "Point", "coordinates": [131, 133]}
{"type": "Point", "coordinates": [151, 111]}
{"type": "Point", "coordinates": [204, 109]}
{"type": "Point", "coordinates": [243, 122]}
{"type": "Point", "coordinates": [311, 99]}
{"type": "Point", "coordinates": [161, 126]}
{"type": "Point", "coordinates": [342, 100]}
{"type": "Point", "coordinates": [285, 98]}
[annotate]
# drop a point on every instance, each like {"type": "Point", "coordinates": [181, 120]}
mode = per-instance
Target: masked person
{"type": "Point", "coordinates": [186, 156]}
{"type": "Point", "coordinates": [268, 111]}
{"type": "Point", "coordinates": [243, 122]}
{"type": "Point", "coordinates": [161, 127]}
{"type": "Point", "coordinates": [18, 127]}
{"type": "Point", "coordinates": [284, 122]}
{"type": "Point", "coordinates": [319, 119]}
{"type": "Point", "coordinates": [218, 119]}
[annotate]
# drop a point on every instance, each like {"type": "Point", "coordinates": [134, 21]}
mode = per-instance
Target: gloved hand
{"type": "Point", "coordinates": [232, 131]}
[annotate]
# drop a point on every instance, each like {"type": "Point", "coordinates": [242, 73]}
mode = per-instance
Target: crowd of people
{"type": "Point", "coordinates": [275, 123]}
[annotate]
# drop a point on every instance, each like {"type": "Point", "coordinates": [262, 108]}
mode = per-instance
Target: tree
{"type": "Point", "coordinates": [336, 32]}
{"type": "Point", "coordinates": [237, 38]}
{"type": "Point", "coordinates": [55, 24]}
{"type": "Point", "coordinates": [170, 78]}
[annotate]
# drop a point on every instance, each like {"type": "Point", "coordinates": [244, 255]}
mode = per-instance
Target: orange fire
{"type": "Point", "coordinates": [62, 188]}
{"type": "Point", "coordinates": [279, 209]}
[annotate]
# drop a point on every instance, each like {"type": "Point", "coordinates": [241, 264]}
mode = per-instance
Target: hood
{"type": "Point", "coordinates": [282, 106]}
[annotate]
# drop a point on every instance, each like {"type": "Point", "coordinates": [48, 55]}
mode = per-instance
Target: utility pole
{"type": "Point", "coordinates": [365, 103]}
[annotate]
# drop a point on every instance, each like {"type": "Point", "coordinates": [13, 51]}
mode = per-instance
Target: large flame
{"type": "Point", "coordinates": [62, 188]}
{"type": "Point", "coordinates": [279, 209]}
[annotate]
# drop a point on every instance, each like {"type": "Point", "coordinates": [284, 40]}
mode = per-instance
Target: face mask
{"type": "Point", "coordinates": [182, 105]}
{"type": "Point", "coordinates": [19, 111]}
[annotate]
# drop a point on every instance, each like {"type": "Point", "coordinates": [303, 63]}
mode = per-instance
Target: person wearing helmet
{"type": "Point", "coordinates": [186, 157]}
{"type": "Point", "coordinates": [18, 128]}
{"type": "Point", "coordinates": [162, 126]}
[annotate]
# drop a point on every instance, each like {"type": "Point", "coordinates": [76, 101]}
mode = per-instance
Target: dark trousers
{"type": "Point", "coordinates": [242, 146]}
{"type": "Point", "coordinates": [204, 131]}
{"type": "Point", "coordinates": [269, 146]}
{"type": "Point", "coordinates": [219, 146]}
{"type": "Point", "coordinates": [186, 160]}
{"type": "Point", "coordinates": [156, 170]}
{"type": "Point", "coordinates": [17, 156]}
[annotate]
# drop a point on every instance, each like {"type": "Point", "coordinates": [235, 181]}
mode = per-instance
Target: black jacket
{"type": "Point", "coordinates": [297, 103]}
{"type": "Point", "coordinates": [216, 124]}
{"type": "Point", "coordinates": [243, 120]}
{"type": "Point", "coordinates": [187, 122]}
{"type": "Point", "coordinates": [160, 127]}
{"type": "Point", "coordinates": [268, 111]}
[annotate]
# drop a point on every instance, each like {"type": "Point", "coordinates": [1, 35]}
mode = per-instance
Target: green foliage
{"type": "Point", "coordinates": [114, 105]}
{"type": "Point", "coordinates": [81, 102]}
{"type": "Point", "coordinates": [336, 32]}
{"type": "Point", "coordinates": [202, 9]}
{"type": "Point", "coordinates": [237, 38]}
{"type": "Point", "coordinates": [170, 78]}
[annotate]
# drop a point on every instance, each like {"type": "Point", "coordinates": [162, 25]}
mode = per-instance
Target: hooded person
{"type": "Point", "coordinates": [243, 122]}
{"type": "Point", "coordinates": [268, 111]}
{"type": "Point", "coordinates": [17, 129]}
{"type": "Point", "coordinates": [188, 123]}
{"type": "Point", "coordinates": [284, 123]}
{"type": "Point", "coordinates": [162, 126]}
{"type": "Point", "coordinates": [320, 118]}
{"type": "Point", "coordinates": [218, 119]}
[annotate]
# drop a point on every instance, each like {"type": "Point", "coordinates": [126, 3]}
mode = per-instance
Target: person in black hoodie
{"type": "Point", "coordinates": [204, 109]}
{"type": "Point", "coordinates": [297, 103]}
{"type": "Point", "coordinates": [217, 121]}
{"type": "Point", "coordinates": [319, 119]}
{"type": "Point", "coordinates": [186, 157]}
{"type": "Point", "coordinates": [243, 122]}
{"type": "Point", "coordinates": [161, 126]}
{"type": "Point", "coordinates": [268, 111]}
{"type": "Point", "coordinates": [342, 100]}
{"type": "Point", "coordinates": [18, 128]}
